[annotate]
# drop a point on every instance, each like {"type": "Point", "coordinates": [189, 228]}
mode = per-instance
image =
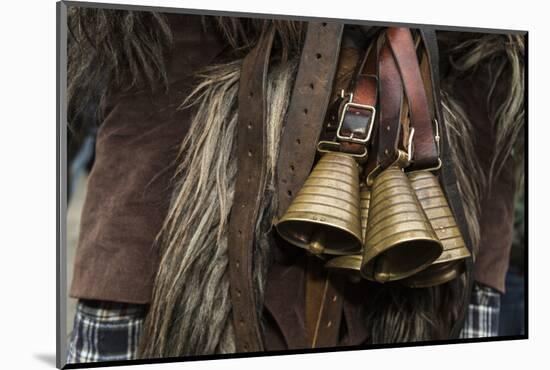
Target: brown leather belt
{"type": "Point", "coordinates": [250, 186]}
{"type": "Point", "coordinates": [358, 114]}
{"type": "Point", "coordinates": [391, 101]}
{"type": "Point", "coordinates": [305, 120]}
{"type": "Point", "coordinates": [306, 113]}
{"type": "Point", "coordinates": [324, 303]}
{"type": "Point", "coordinates": [404, 51]}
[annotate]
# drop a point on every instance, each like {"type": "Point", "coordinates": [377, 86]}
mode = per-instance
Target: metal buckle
{"type": "Point", "coordinates": [323, 147]}
{"type": "Point", "coordinates": [403, 160]}
{"type": "Point", "coordinates": [437, 139]}
{"type": "Point", "coordinates": [345, 109]}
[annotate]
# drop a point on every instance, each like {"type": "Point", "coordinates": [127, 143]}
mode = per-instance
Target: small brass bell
{"type": "Point", "coordinates": [351, 264]}
{"type": "Point", "coordinates": [451, 262]}
{"type": "Point", "coordinates": [400, 240]}
{"type": "Point", "coordinates": [325, 217]}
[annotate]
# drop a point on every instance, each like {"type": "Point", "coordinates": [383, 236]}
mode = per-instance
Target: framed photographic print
{"type": "Point", "coordinates": [258, 184]}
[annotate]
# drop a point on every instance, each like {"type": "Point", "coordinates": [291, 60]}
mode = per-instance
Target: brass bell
{"type": "Point", "coordinates": [351, 264]}
{"type": "Point", "coordinates": [325, 217]}
{"type": "Point", "coordinates": [399, 240]}
{"type": "Point", "coordinates": [451, 262]}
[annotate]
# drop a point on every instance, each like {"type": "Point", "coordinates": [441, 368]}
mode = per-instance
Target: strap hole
{"type": "Point", "coordinates": [318, 55]}
{"type": "Point", "coordinates": [298, 141]}
{"type": "Point", "coordinates": [291, 167]}
{"type": "Point", "coordinates": [329, 324]}
{"type": "Point", "coordinates": [324, 24]}
{"type": "Point", "coordinates": [251, 94]}
{"type": "Point", "coordinates": [249, 125]}
{"type": "Point", "coordinates": [240, 232]}
{"type": "Point", "coordinates": [311, 86]}
{"type": "Point", "coordinates": [250, 153]}
{"type": "Point", "coordinates": [305, 110]}
{"type": "Point", "coordinates": [289, 193]}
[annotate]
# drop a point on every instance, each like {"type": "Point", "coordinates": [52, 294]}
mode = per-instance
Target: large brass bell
{"type": "Point", "coordinates": [325, 217]}
{"type": "Point", "coordinates": [451, 262]}
{"type": "Point", "coordinates": [400, 240]}
{"type": "Point", "coordinates": [351, 264]}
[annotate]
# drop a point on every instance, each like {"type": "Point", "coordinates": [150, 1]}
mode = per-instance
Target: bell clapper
{"type": "Point", "coordinates": [316, 245]}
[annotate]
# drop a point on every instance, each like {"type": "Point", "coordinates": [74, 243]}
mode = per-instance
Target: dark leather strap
{"type": "Point", "coordinates": [249, 189]}
{"type": "Point", "coordinates": [429, 40]}
{"type": "Point", "coordinates": [324, 304]}
{"type": "Point", "coordinates": [357, 121]}
{"type": "Point", "coordinates": [306, 113]}
{"type": "Point", "coordinates": [447, 174]}
{"type": "Point", "coordinates": [391, 101]}
{"type": "Point", "coordinates": [404, 51]}
{"type": "Point", "coordinates": [327, 329]}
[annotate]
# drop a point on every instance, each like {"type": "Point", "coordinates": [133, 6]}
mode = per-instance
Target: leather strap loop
{"type": "Point", "coordinates": [358, 121]}
{"type": "Point", "coordinates": [249, 189]}
{"type": "Point", "coordinates": [404, 51]}
{"type": "Point", "coordinates": [431, 51]}
{"type": "Point", "coordinates": [391, 101]}
{"type": "Point", "coordinates": [306, 113]}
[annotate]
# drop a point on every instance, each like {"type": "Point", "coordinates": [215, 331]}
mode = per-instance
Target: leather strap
{"type": "Point", "coordinates": [391, 101]}
{"type": "Point", "coordinates": [404, 51]}
{"type": "Point", "coordinates": [307, 109]}
{"type": "Point", "coordinates": [249, 189]}
{"type": "Point", "coordinates": [324, 304]}
{"type": "Point", "coordinates": [431, 51]}
{"type": "Point", "coordinates": [447, 174]}
{"type": "Point", "coordinates": [329, 318]}
{"type": "Point", "coordinates": [356, 121]}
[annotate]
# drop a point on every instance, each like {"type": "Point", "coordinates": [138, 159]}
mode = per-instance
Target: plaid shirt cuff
{"type": "Point", "coordinates": [483, 313]}
{"type": "Point", "coordinates": [105, 331]}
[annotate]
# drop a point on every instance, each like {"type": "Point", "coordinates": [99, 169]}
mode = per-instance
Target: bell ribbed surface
{"type": "Point", "coordinates": [400, 240]}
{"type": "Point", "coordinates": [451, 262]}
{"type": "Point", "coordinates": [326, 210]}
{"type": "Point", "coordinates": [365, 202]}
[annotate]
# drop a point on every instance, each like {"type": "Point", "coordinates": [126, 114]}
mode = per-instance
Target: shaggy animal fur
{"type": "Point", "coordinates": [497, 62]}
{"type": "Point", "coordinates": [192, 286]}
{"type": "Point", "coordinates": [111, 50]}
{"type": "Point", "coordinates": [191, 309]}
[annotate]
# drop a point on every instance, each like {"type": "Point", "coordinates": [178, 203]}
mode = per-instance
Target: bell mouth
{"type": "Point", "coordinates": [349, 265]}
{"type": "Point", "coordinates": [308, 235]}
{"type": "Point", "coordinates": [436, 274]}
{"type": "Point", "coordinates": [401, 261]}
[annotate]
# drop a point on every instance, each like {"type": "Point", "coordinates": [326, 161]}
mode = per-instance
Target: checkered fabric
{"type": "Point", "coordinates": [105, 331]}
{"type": "Point", "coordinates": [108, 331]}
{"type": "Point", "coordinates": [483, 313]}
